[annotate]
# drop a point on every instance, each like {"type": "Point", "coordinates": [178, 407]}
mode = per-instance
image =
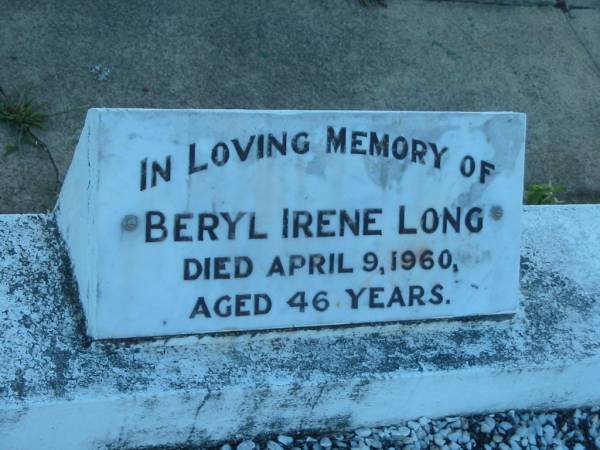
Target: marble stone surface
{"type": "Point", "coordinates": [192, 221]}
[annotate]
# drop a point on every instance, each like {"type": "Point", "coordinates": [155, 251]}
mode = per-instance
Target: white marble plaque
{"type": "Point", "coordinates": [195, 221]}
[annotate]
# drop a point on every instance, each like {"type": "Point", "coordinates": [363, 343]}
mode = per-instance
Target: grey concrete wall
{"type": "Point", "coordinates": [326, 54]}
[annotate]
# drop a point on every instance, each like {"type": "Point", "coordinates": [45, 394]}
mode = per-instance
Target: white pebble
{"type": "Point", "coordinates": [246, 445]}
{"type": "Point", "coordinates": [325, 442]}
{"type": "Point", "coordinates": [548, 433]}
{"type": "Point", "coordinates": [363, 432]}
{"type": "Point", "coordinates": [487, 425]}
{"type": "Point", "coordinates": [285, 440]}
{"type": "Point", "coordinates": [272, 445]}
{"type": "Point", "coordinates": [413, 425]}
{"type": "Point", "coordinates": [401, 432]}
{"type": "Point", "coordinates": [374, 443]}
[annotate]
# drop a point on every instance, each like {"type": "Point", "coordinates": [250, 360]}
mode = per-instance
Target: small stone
{"type": "Point", "coordinates": [285, 440]}
{"type": "Point", "coordinates": [272, 445]}
{"type": "Point", "coordinates": [505, 425]}
{"type": "Point", "coordinates": [578, 446]}
{"type": "Point", "coordinates": [325, 442]}
{"type": "Point", "coordinates": [455, 436]}
{"type": "Point", "coordinates": [310, 439]}
{"type": "Point", "coordinates": [549, 433]}
{"type": "Point", "coordinates": [503, 446]}
{"type": "Point", "coordinates": [363, 432]}
{"type": "Point", "coordinates": [373, 443]}
{"type": "Point", "coordinates": [226, 447]}
{"type": "Point", "coordinates": [439, 440]}
{"type": "Point", "coordinates": [424, 421]}
{"type": "Point", "coordinates": [413, 425]}
{"type": "Point", "coordinates": [465, 437]}
{"type": "Point", "coordinates": [246, 445]}
{"type": "Point", "coordinates": [316, 446]}
{"type": "Point", "coordinates": [401, 432]}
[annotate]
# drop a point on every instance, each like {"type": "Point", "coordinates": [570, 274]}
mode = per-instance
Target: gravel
{"type": "Point", "coordinates": [577, 429]}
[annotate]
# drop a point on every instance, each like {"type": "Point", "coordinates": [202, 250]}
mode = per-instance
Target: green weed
{"type": "Point", "coordinates": [542, 194]}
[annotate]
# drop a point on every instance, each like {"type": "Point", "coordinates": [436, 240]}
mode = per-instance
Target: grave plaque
{"type": "Point", "coordinates": [195, 221]}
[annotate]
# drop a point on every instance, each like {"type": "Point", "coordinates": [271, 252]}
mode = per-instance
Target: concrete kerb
{"type": "Point", "coordinates": [59, 391]}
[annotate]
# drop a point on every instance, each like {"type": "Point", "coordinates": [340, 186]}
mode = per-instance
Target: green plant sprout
{"type": "Point", "coordinates": [24, 117]}
{"type": "Point", "coordinates": [542, 194]}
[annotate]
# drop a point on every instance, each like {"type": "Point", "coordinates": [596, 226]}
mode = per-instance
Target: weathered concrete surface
{"type": "Point", "coordinates": [337, 54]}
{"type": "Point", "coordinates": [57, 391]}
{"type": "Point", "coordinates": [586, 25]}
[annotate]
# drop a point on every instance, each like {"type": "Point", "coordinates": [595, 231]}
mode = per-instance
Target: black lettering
{"type": "Point", "coordinates": [304, 146]}
{"type": "Point", "coordinates": [151, 225]}
{"type": "Point", "coordinates": [396, 298]}
{"type": "Point", "coordinates": [323, 221]}
{"type": "Point", "coordinates": [221, 268]}
{"type": "Point", "coordinates": [190, 264]}
{"type": "Point", "coordinates": [240, 304]}
{"type": "Point", "coordinates": [374, 295]}
{"type": "Point", "coordinates": [242, 267]}
{"type": "Point", "coordinates": [243, 152]}
{"type": "Point", "coordinates": [467, 166]}
{"type": "Point", "coordinates": [224, 157]}
{"type": "Point", "coordinates": [200, 308]}
{"type": "Point", "coordinates": [143, 170]}
{"type": "Point", "coordinates": [258, 310]}
{"type": "Point", "coordinates": [478, 225]}
{"type": "Point", "coordinates": [419, 148]}
{"type": "Point", "coordinates": [401, 228]}
{"type": "Point", "coordinates": [436, 293]}
{"type": "Point", "coordinates": [379, 147]}
{"type": "Point", "coordinates": [218, 311]}
{"type": "Point", "coordinates": [276, 268]}
{"type": "Point", "coordinates": [157, 169]}
{"type": "Point", "coordinates": [486, 168]}
{"type": "Point", "coordinates": [355, 296]}
{"type": "Point", "coordinates": [368, 220]}
{"type": "Point", "coordinates": [179, 227]}
{"type": "Point", "coordinates": [400, 154]}
{"type": "Point", "coordinates": [338, 141]}
{"type": "Point", "coordinates": [316, 262]}
{"type": "Point", "coordinates": [192, 167]}
{"type": "Point", "coordinates": [260, 148]}
{"type": "Point", "coordinates": [356, 142]}
{"type": "Point", "coordinates": [435, 220]}
{"type": "Point", "coordinates": [345, 220]}
{"type": "Point", "coordinates": [341, 268]}
{"type": "Point", "coordinates": [415, 293]}
{"type": "Point", "coordinates": [232, 223]}
{"type": "Point", "coordinates": [253, 234]}
{"type": "Point", "coordinates": [437, 154]}
{"type": "Point", "coordinates": [285, 222]}
{"type": "Point", "coordinates": [301, 221]}
{"type": "Point", "coordinates": [296, 262]}
{"type": "Point", "coordinates": [280, 146]}
{"type": "Point", "coordinates": [448, 218]}
{"type": "Point", "coordinates": [208, 227]}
